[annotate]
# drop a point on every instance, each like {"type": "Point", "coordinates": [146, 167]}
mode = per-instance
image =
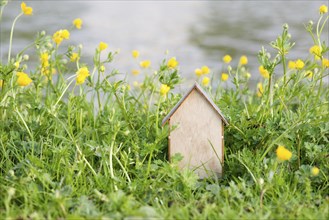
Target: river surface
{"type": "Point", "coordinates": [197, 33]}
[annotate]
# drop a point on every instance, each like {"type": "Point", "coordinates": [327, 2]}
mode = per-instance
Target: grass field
{"type": "Point", "coordinates": [76, 142]}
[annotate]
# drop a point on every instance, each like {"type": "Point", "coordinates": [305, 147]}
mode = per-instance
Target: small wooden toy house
{"type": "Point", "coordinates": [197, 132]}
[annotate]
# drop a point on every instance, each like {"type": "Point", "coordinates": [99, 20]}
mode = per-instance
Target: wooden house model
{"type": "Point", "coordinates": [196, 131]}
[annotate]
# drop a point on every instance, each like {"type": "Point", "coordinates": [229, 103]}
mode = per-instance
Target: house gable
{"type": "Point", "coordinates": [196, 87]}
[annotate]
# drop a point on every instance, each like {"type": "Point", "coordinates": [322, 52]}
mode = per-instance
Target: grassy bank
{"type": "Point", "coordinates": [77, 143]}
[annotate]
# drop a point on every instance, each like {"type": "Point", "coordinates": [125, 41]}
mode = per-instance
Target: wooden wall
{"type": "Point", "coordinates": [198, 125]}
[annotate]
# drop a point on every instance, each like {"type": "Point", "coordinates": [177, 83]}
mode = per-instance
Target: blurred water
{"type": "Point", "coordinates": [195, 32]}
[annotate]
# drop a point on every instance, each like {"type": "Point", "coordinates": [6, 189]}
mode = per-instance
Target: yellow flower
{"type": "Point", "coordinates": [283, 154]}
{"type": "Point", "coordinates": [325, 63]}
{"type": "Point", "coordinates": [135, 84]}
{"type": "Point", "coordinates": [198, 72]}
{"type": "Point", "coordinates": [26, 10]}
{"type": "Point", "coordinates": [291, 65]}
{"type": "Point", "coordinates": [77, 23]}
{"type": "Point", "coordinates": [205, 70]}
{"type": "Point", "coordinates": [172, 62]}
{"type": "Point", "coordinates": [53, 71]}
{"type": "Point", "coordinates": [57, 38]}
{"type": "Point", "coordinates": [74, 57]}
{"type": "Point", "coordinates": [102, 46]}
{"type": "Point", "coordinates": [164, 89]}
{"type": "Point", "coordinates": [315, 171]}
{"type": "Point", "coordinates": [82, 74]}
{"type": "Point", "coordinates": [60, 35]}
{"type": "Point", "coordinates": [248, 75]}
{"type": "Point", "coordinates": [145, 63]}
{"type": "Point", "coordinates": [227, 58]}
{"type": "Point", "coordinates": [16, 64]}
{"type": "Point", "coordinates": [135, 53]}
{"type": "Point", "coordinates": [299, 64]}
{"type": "Point", "coordinates": [135, 72]}
{"type": "Point", "coordinates": [243, 60]}
{"type": "Point", "coordinates": [205, 81]}
{"type": "Point", "coordinates": [45, 71]}
{"type": "Point", "coordinates": [1, 82]}
{"type": "Point", "coordinates": [264, 72]}
{"type": "Point", "coordinates": [316, 51]}
{"type": "Point", "coordinates": [260, 89]}
{"type": "Point", "coordinates": [44, 57]}
{"type": "Point", "coordinates": [309, 74]}
{"type": "Point", "coordinates": [65, 34]}
{"type": "Point", "coordinates": [102, 68]}
{"type": "Point", "coordinates": [224, 77]}
{"type": "Point", "coordinates": [23, 79]}
{"type": "Point", "coordinates": [323, 9]}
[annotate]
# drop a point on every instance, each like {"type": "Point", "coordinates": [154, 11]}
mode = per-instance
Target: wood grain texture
{"type": "Point", "coordinates": [198, 125]}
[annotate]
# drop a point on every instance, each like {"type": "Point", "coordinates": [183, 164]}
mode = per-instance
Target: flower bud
{"type": "Point", "coordinates": [261, 181]}
{"type": "Point", "coordinates": [49, 45]}
{"type": "Point", "coordinates": [11, 173]}
{"type": "Point", "coordinates": [26, 57]}
{"type": "Point", "coordinates": [43, 33]}
{"type": "Point", "coordinates": [64, 61]}
{"type": "Point", "coordinates": [80, 46]}
{"type": "Point", "coordinates": [229, 68]}
{"type": "Point", "coordinates": [11, 191]}
{"type": "Point", "coordinates": [3, 3]}
{"type": "Point", "coordinates": [310, 23]}
{"type": "Point", "coordinates": [285, 26]}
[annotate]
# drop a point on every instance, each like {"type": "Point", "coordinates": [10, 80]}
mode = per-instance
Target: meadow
{"type": "Point", "coordinates": [79, 141]}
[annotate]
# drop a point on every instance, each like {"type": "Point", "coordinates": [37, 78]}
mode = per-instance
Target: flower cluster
{"type": "Point", "coordinates": [202, 71]}
{"type": "Point", "coordinates": [60, 35]}
{"type": "Point", "coordinates": [44, 59]}
{"type": "Point", "coordinates": [298, 64]}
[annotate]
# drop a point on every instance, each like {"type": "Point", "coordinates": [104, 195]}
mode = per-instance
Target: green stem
{"type": "Point", "coordinates": [11, 35]}
{"type": "Point", "coordinates": [283, 57]}
{"type": "Point", "coordinates": [323, 24]}
{"type": "Point", "coordinates": [270, 95]}
{"type": "Point", "coordinates": [317, 30]}
{"type": "Point", "coordinates": [1, 12]}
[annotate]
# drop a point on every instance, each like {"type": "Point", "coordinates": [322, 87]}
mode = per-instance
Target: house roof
{"type": "Point", "coordinates": [197, 87]}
